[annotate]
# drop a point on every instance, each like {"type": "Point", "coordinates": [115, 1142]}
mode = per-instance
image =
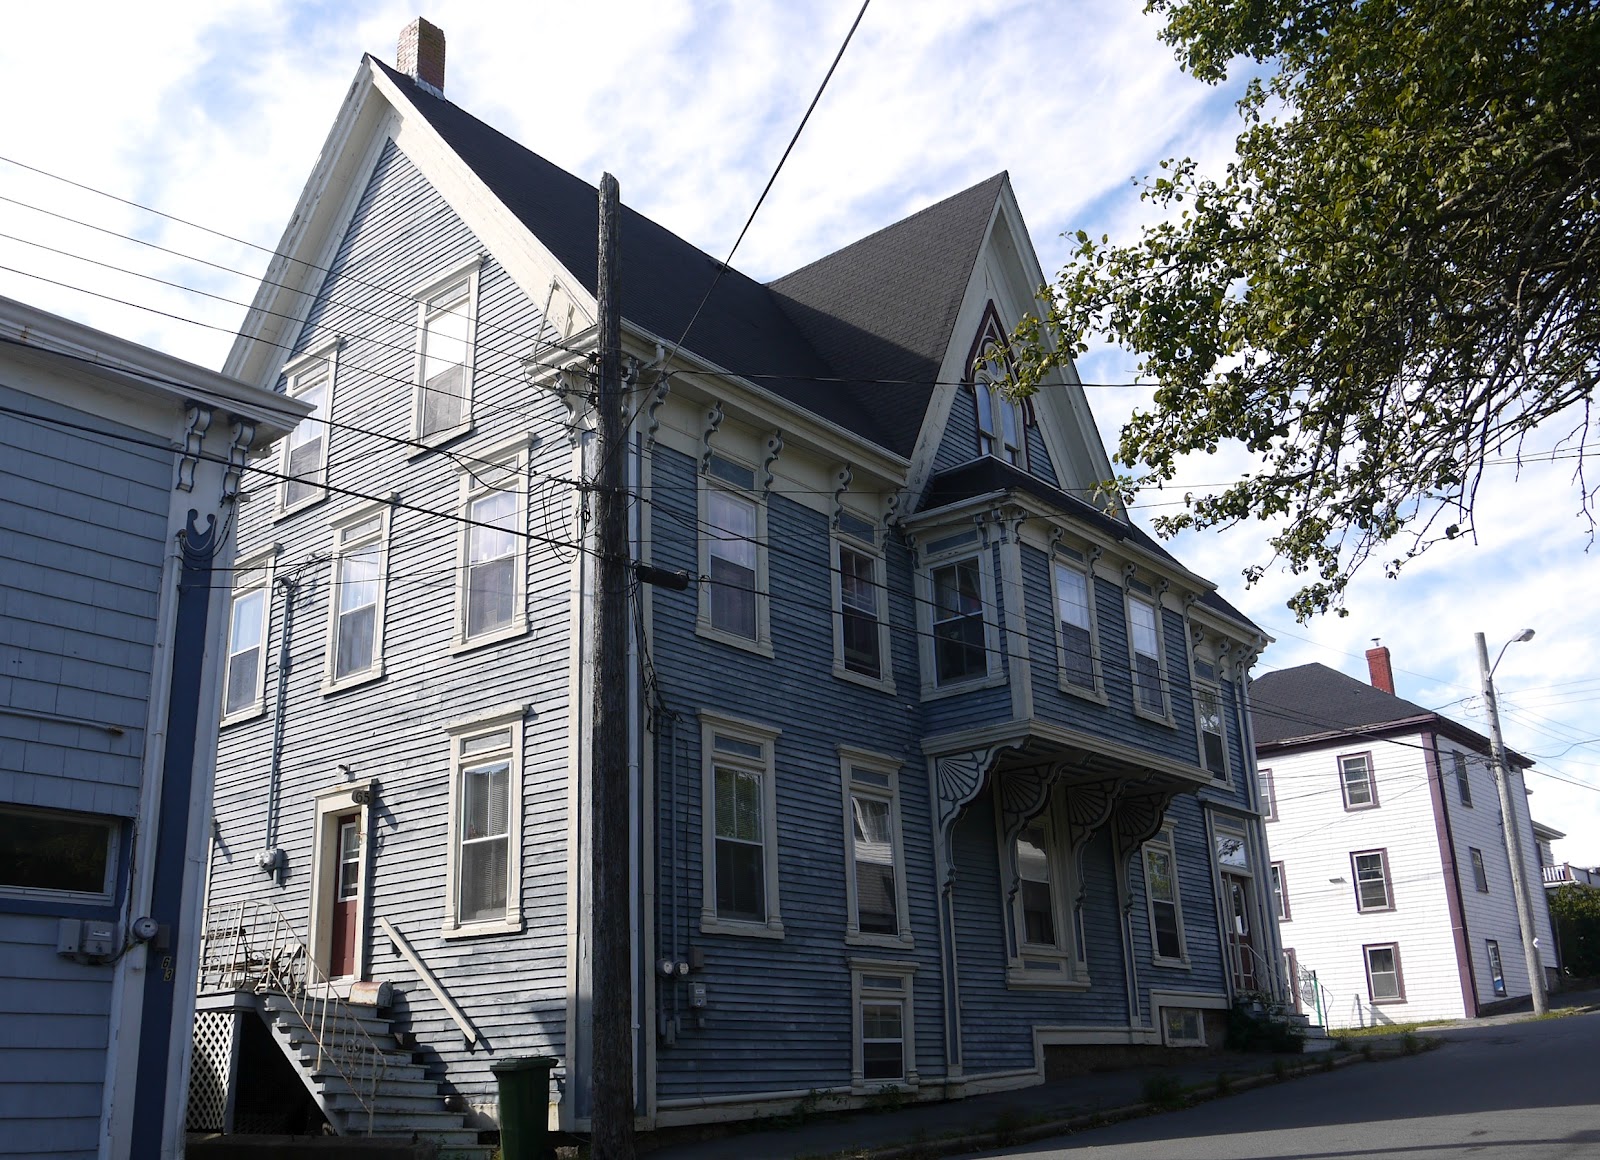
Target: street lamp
{"type": "Point", "coordinates": [1510, 827]}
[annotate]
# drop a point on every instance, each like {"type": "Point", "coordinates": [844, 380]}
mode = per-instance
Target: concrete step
{"type": "Point", "coordinates": [1317, 1046]}
{"type": "Point", "coordinates": [296, 1033]}
{"type": "Point", "coordinates": [423, 1104]}
{"type": "Point", "coordinates": [334, 1085]}
{"type": "Point", "coordinates": [439, 1125]}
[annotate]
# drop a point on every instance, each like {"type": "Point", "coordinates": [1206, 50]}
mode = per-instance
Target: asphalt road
{"type": "Point", "coordinates": [1526, 1091]}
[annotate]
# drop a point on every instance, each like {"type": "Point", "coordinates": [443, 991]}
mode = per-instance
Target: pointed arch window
{"type": "Point", "coordinates": [1002, 420]}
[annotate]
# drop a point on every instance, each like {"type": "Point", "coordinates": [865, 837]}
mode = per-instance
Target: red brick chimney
{"type": "Point", "coordinates": [1378, 666]}
{"type": "Point", "coordinates": [421, 54]}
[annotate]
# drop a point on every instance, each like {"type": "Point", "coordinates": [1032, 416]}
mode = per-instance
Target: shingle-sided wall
{"type": "Point", "coordinates": [513, 986]}
{"type": "Point", "coordinates": [778, 1011]}
{"type": "Point", "coordinates": [83, 518]}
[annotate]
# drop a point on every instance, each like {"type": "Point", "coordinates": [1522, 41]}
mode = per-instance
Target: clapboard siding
{"type": "Point", "coordinates": [83, 520]}
{"type": "Point", "coordinates": [959, 443]}
{"type": "Point", "coordinates": [1039, 461]}
{"type": "Point", "coordinates": [1198, 903]}
{"type": "Point", "coordinates": [83, 517]}
{"type": "Point", "coordinates": [512, 986]}
{"type": "Point", "coordinates": [778, 1015]}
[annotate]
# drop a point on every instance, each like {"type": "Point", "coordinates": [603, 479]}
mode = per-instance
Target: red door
{"type": "Point", "coordinates": [342, 954]}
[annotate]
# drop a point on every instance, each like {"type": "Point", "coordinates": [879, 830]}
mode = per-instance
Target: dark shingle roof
{"type": "Point", "coordinates": [1311, 700]}
{"type": "Point", "coordinates": [745, 327]}
{"type": "Point", "coordinates": [885, 306]}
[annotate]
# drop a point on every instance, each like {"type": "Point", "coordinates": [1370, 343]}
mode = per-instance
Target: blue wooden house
{"type": "Point", "coordinates": [940, 765]}
{"type": "Point", "coordinates": [119, 468]}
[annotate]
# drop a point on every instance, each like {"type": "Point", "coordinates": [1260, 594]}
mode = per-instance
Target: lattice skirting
{"type": "Point", "coordinates": [208, 1075]}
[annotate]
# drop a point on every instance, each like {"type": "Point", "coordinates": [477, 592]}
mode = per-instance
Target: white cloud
{"type": "Point", "coordinates": [216, 112]}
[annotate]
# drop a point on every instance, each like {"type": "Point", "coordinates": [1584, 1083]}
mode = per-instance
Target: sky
{"type": "Point", "coordinates": [214, 113]}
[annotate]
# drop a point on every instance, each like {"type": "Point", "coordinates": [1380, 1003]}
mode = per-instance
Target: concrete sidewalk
{"type": "Point", "coordinates": [923, 1131]}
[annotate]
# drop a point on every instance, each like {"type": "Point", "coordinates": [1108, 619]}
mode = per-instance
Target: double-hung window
{"type": "Point", "coordinates": [1077, 642]}
{"type": "Point", "coordinates": [1497, 974]}
{"type": "Point", "coordinates": [1044, 939]}
{"type": "Point", "coordinates": [1269, 794]}
{"type": "Point", "coordinates": [491, 597]}
{"type": "Point", "coordinates": [957, 617]}
{"type": "Point", "coordinates": [1144, 645]}
{"type": "Point", "coordinates": [249, 615]}
{"type": "Point", "coordinates": [1463, 781]}
{"type": "Point", "coordinates": [733, 522]}
{"type": "Point", "coordinates": [1480, 874]}
{"type": "Point", "coordinates": [861, 629]}
{"type": "Point", "coordinates": [484, 894]}
{"type": "Point", "coordinates": [447, 312]}
{"type": "Point", "coordinates": [1208, 712]}
{"type": "Point", "coordinates": [739, 828]}
{"type": "Point", "coordinates": [1356, 782]}
{"type": "Point", "coordinates": [1280, 891]}
{"type": "Point", "coordinates": [355, 622]}
{"type": "Point", "coordinates": [874, 862]}
{"type": "Point", "coordinates": [883, 1051]}
{"type": "Point", "coordinates": [304, 465]}
{"type": "Point", "coordinates": [1162, 900]}
{"type": "Point", "coordinates": [1384, 984]}
{"type": "Point", "coordinates": [1371, 871]}
{"type": "Point", "coordinates": [1000, 422]}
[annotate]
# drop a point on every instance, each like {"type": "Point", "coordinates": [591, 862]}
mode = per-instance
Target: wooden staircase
{"type": "Point", "coordinates": [399, 1101]}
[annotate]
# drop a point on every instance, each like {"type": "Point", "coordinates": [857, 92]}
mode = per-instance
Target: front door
{"type": "Point", "coordinates": [1241, 939]}
{"type": "Point", "coordinates": [346, 887]}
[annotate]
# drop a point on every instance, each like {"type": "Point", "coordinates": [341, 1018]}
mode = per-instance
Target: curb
{"type": "Point", "coordinates": [1028, 1134]}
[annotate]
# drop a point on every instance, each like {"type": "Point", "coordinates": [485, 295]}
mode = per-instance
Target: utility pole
{"type": "Point", "coordinates": [1511, 828]}
{"type": "Point", "coordinates": [611, 1112]}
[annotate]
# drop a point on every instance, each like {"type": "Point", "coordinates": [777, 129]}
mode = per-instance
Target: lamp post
{"type": "Point", "coordinates": [1510, 827]}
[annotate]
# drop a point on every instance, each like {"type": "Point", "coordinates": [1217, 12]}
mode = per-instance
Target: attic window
{"type": "Point", "coordinates": [446, 324]}
{"type": "Point", "coordinates": [1001, 419]}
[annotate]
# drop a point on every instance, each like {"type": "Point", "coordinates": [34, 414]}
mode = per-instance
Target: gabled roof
{"type": "Point", "coordinates": [1312, 700]}
{"type": "Point", "coordinates": [880, 308]}
{"type": "Point", "coordinates": [885, 307]}
{"type": "Point", "coordinates": [1311, 703]}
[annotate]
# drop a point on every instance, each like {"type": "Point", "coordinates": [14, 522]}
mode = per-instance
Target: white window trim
{"type": "Point", "coordinates": [1063, 967]}
{"type": "Point", "coordinates": [992, 444]}
{"type": "Point", "coordinates": [507, 718]}
{"type": "Point", "coordinates": [851, 760]}
{"type": "Point", "coordinates": [293, 371]}
{"type": "Point", "coordinates": [762, 643]}
{"type": "Point", "coordinates": [113, 827]}
{"type": "Point", "coordinates": [382, 509]}
{"type": "Point", "coordinates": [465, 274]}
{"type": "Point", "coordinates": [859, 994]}
{"type": "Point", "coordinates": [1166, 840]}
{"type": "Point", "coordinates": [1202, 688]}
{"type": "Point", "coordinates": [993, 673]}
{"type": "Point", "coordinates": [1170, 1040]}
{"type": "Point", "coordinates": [1163, 676]}
{"type": "Point", "coordinates": [266, 562]}
{"type": "Point", "coordinates": [506, 462]}
{"type": "Point", "coordinates": [875, 552]}
{"type": "Point", "coordinates": [1098, 693]}
{"type": "Point", "coordinates": [1278, 879]}
{"type": "Point", "coordinates": [756, 734]}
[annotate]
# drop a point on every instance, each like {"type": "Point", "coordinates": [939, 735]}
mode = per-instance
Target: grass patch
{"type": "Point", "coordinates": [1382, 1029]}
{"type": "Point", "coordinates": [1164, 1091]}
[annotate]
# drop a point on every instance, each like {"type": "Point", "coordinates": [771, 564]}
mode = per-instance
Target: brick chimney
{"type": "Point", "coordinates": [1378, 666]}
{"type": "Point", "coordinates": [420, 54]}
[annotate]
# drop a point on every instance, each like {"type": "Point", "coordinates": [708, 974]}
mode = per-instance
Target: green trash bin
{"type": "Point", "coordinates": [524, 1083]}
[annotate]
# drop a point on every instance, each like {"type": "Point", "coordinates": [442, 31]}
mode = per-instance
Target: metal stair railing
{"type": "Point", "coordinates": [252, 946]}
{"type": "Point", "coordinates": [1308, 979]}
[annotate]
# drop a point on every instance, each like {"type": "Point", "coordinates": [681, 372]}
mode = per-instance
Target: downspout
{"type": "Point", "coordinates": [270, 859]}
